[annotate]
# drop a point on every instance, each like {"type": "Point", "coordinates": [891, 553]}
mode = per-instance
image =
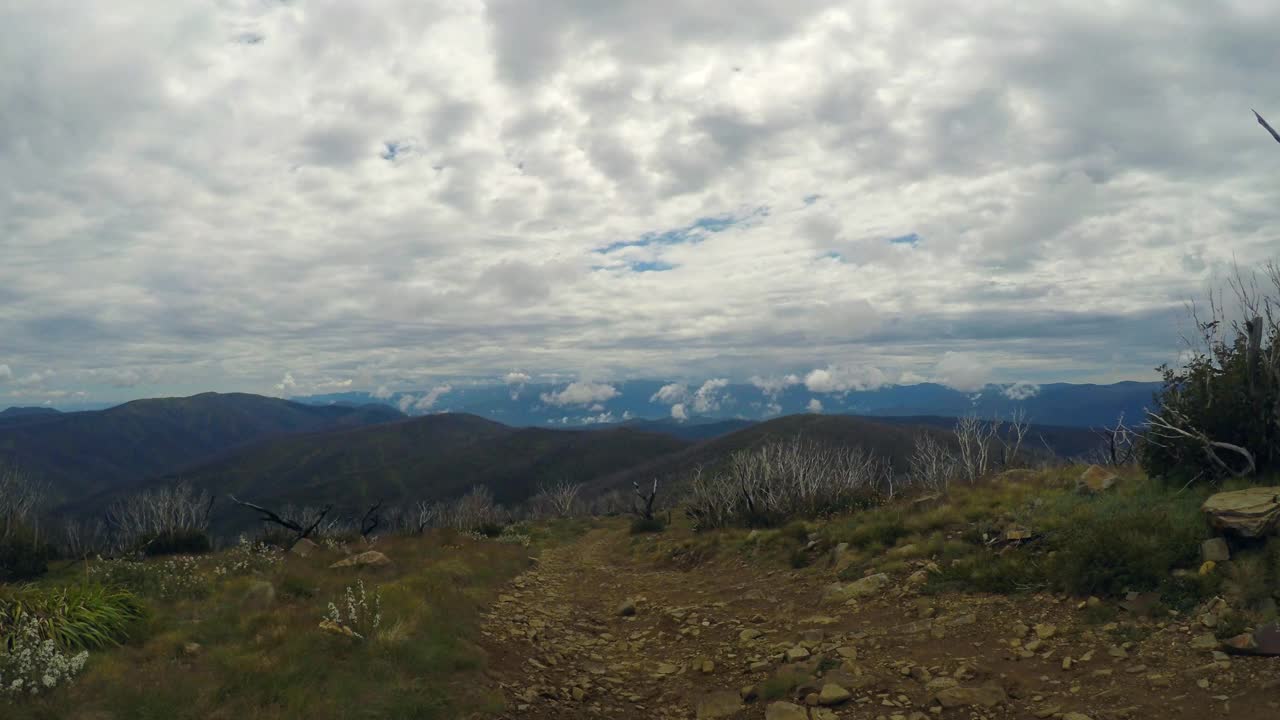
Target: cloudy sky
{"type": "Point", "coordinates": [298, 196]}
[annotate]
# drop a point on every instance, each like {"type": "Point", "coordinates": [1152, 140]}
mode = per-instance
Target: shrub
{"type": "Point", "coordinates": [178, 576]}
{"type": "Point", "coordinates": [642, 525]}
{"type": "Point", "coordinates": [22, 557]}
{"type": "Point", "coordinates": [177, 542]}
{"type": "Point", "coordinates": [30, 664]}
{"type": "Point", "coordinates": [358, 617]}
{"type": "Point", "coordinates": [74, 617]}
{"type": "Point", "coordinates": [1220, 412]}
{"type": "Point", "coordinates": [1121, 541]}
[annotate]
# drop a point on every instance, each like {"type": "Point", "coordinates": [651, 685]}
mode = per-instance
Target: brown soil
{"type": "Point", "coordinates": [560, 648]}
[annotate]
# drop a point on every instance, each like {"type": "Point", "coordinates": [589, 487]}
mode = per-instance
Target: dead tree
{"type": "Point", "coordinates": [1267, 125]}
{"type": "Point", "coordinates": [370, 521]}
{"type": "Point", "coordinates": [1011, 441]}
{"type": "Point", "coordinates": [1171, 425]}
{"type": "Point", "coordinates": [559, 499]}
{"type": "Point", "coordinates": [645, 511]}
{"type": "Point", "coordinates": [425, 515]}
{"type": "Point", "coordinates": [1120, 443]}
{"type": "Point", "coordinates": [300, 529]}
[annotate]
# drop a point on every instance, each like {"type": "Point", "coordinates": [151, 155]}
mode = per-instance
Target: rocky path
{"type": "Point", "coordinates": [591, 632]}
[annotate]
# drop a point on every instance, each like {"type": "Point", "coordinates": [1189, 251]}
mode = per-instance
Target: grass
{"type": "Point", "coordinates": [78, 617]}
{"type": "Point", "coordinates": [274, 662]}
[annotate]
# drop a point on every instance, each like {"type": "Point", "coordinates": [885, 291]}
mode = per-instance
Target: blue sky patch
{"type": "Point", "coordinates": [689, 234]}
{"type": "Point", "coordinates": [651, 266]}
{"type": "Point", "coordinates": [811, 199]}
{"type": "Point", "coordinates": [911, 239]}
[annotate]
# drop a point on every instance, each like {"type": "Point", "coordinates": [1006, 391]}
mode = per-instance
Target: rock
{"type": "Point", "coordinates": [985, 695]}
{"type": "Point", "coordinates": [1250, 513]}
{"type": "Point", "coordinates": [368, 558]}
{"type": "Point", "coordinates": [748, 692]}
{"type": "Point", "coordinates": [1215, 550]}
{"type": "Point", "coordinates": [1096, 479]}
{"type": "Point", "coordinates": [627, 607]}
{"type": "Point", "coordinates": [833, 694]}
{"type": "Point", "coordinates": [799, 652]}
{"type": "Point", "coordinates": [667, 669]}
{"type": "Point", "coordinates": [847, 652]}
{"type": "Point", "coordinates": [259, 595]}
{"type": "Point", "coordinates": [1204, 641]}
{"type": "Point", "coordinates": [863, 587]}
{"type": "Point", "coordinates": [785, 711]}
{"type": "Point", "coordinates": [330, 627]}
{"type": "Point", "coordinates": [579, 694]}
{"type": "Point", "coordinates": [191, 649]}
{"type": "Point", "coordinates": [749, 634]}
{"type": "Point", "coordinates": [708, 667]}
{"type": "Point", "coordinates": [1076, 716]}
{"type": "Point", "coordinates": [304, 548]}
{"type": "Point", "coordinates": [1263, 641]}
{"type": "Point", "coordinates": [719, 704]}
{"type": "Point", "coordinates": [1044, 631]}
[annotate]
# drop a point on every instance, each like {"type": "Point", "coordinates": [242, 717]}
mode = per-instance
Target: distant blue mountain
{"type": "Point", "coordinates": [547, 405]}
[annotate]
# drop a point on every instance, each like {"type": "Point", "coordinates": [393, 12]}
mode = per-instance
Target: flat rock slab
{"type": "Point", "coordinates": [1263, 641]}
{"type": "Point", "coordinates": [1252, 512]}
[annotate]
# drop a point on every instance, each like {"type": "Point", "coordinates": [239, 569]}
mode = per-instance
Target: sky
{"type": "Point", "coordinates": [304, 196]}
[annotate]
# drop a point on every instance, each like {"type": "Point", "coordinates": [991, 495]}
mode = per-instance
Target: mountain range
{"type": "Point", "coordinates": [585, 404]}
{"type": "Point", "coordinates": [278, 452]}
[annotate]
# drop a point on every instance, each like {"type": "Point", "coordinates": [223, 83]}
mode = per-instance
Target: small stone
{"type": "Point", "coordinates": [667, 669]}
{"type": "Point", "coordinates": [799, 652]}
{"type": "Point", "coordinates": [785, 711]}
{"type": "Point", "coordinates": [833, 694]}
{"type": "Point", "coordinates": [1215, 550]}
{"type": "Point", "coordinates": [578, 694]}
{"type": "Point", "coordinates": [1204, 641]}
{"type": "Point", "coordinates": [749, 634]}
{"type": "Point", "coordinates": [1044, 631]}
{"type": "Point", "coordinates": [627, 607]}
{"type": "Point", "coordinates": [847, 652]}
{"type": "Point", "coordinates": [1076, 716]}
{"type": "Point", "coordinates": [191, 649]}
{"type": "Point", "coordinates": [708, 667]}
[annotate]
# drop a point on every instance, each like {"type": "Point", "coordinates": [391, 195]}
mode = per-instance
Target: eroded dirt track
{"type": "Point", "coordinates": [563, 645]}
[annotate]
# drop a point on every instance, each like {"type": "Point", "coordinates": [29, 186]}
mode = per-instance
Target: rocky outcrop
{"type": "Point", "coordinates": [304, 548]}
{"type": "Point", "coordinates": [1096, 479]}
{"type": "Point", "coordinates": [369, 558]}
{"type": "Point", "coordinates": [1251, 513]}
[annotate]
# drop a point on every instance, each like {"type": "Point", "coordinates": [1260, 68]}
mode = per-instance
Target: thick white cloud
{"type": "Point", "coordinates": [962, 371]}
{"type": "Point", "coordinates": [710, 395]}
{"type": "Point", "coordinates": [671, 394]}
{"type": "Point", "coordinates": [397, 192]}
{"type": "Point", "coordinates": [835, 378]}
{"type": "Point", "coordinates": [815, 406]}
{"type": "Point", "coordinates": [679, 412]}
{"type": "Point", "coordinates": [583, 392]}
{"type": "Point", "coordinates": [515, 378]}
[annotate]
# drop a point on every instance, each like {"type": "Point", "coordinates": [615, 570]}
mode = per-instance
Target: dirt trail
{"type": "Point", "coordinates": [561, 647]}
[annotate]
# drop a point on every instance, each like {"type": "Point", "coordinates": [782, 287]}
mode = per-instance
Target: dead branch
{"type": "Point", "coordinates": [296, 526]}
{"type": "Point", "coordinates": [1169, 429]}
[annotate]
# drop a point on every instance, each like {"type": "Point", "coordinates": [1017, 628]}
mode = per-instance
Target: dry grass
{"type": "Point", "coordinates": [274, 663]}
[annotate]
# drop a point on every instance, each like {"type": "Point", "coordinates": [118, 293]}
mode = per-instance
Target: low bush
{"type": "Point", "coordinates": [643, 525]}
{"type": "Point", "coordinates": [22, 557]}
{"type": "Point", "coordinates": [177, 542]}
{"type": "Point", "coordinates": [31, 665]}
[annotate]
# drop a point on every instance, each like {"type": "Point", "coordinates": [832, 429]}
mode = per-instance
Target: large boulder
{"type": "Point", "coordinates": [1263, 641]}
{"type": "Point", "coordinates": [863, 587]}
{"type": "Point", "coordinates": [1249, 513]}
{"type": "Point", "coordinates": [369, 558]}
{"type": "Point", "coordinates": [1096, 479]}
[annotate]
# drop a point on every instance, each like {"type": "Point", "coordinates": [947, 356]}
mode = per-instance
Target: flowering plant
{"type": "Point", "coordinates": [30, 665]}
